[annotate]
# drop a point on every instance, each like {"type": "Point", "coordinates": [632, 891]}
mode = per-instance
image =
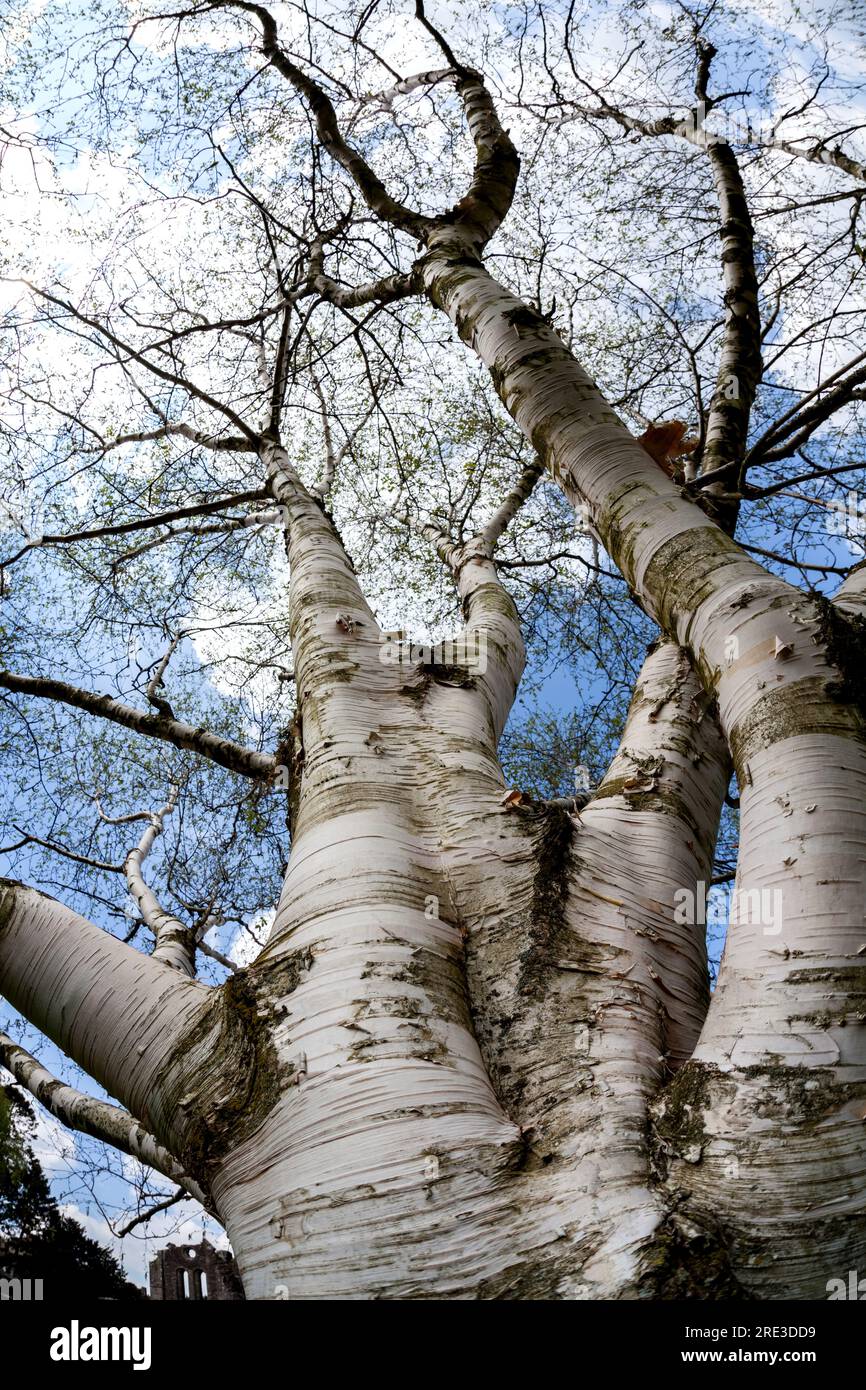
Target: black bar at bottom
{"type": "Point", "coordinates": [60, 1338]}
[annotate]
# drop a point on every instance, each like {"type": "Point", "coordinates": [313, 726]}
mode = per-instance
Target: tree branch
{"type": "Point", "coordinates": [497, 163]}
{"type": "Point", "coordinates": [28, 839]}
{"type": "Point", "coordinates": [123, 528]}
{"type": "Point", "coordinates": [229, 444]}
{"type": "Point", "coordinates": [179, 1196]}
{"type": "Point", "coordinates": [174, 943]}
{"type": "Point", "coordinates": [96, 1118]}
{"type": "Point", "coordinates": [134, 355]}
{"type": "Point", "coordinates": [508, 509]}
{"type": "Point", "coordinates": [740, 364]}
{"type": "Point", "coordinates": [489, 197]}
{"type": "Point", "coordinates": [793, 429]}
{"type": "Point", "coordinates": [819, 153]}
{"type": "Point", "coordinates": [117, 1013]}
{"type": "Point", "coordinates": [371, 188]}
{"type": "Point", "coordinates": [244, 761]}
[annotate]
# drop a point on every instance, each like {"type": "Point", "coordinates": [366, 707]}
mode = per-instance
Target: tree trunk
{"type": "Point", "coordinates": [460, 1047]}
{"type": "Point", "coordinates": [475, 1058]}
{"type": "Point", "coordinates": [763, 1129]}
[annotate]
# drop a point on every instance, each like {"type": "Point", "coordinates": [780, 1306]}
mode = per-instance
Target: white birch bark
{"type": "Point", "coordinates": [785, 674]}
{"type": "Point", "coordinates": [417, 911]}
{"type": "Point", "coordinates": [437, 1078]}
{"type": "Point", "coordinates": [585, 994]}
{"type": "Point", "coordinates": [119, 1014]}
{"type": "Point", "coordinates": [387, 1125]}
{"type": "Point", "coordinates": [173, 941]}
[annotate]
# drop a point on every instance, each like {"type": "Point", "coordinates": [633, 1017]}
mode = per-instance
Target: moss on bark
{"type": "Point", "coordinates": [227, 1093]}
{"type": "Point", "coordinates": [553, 831]}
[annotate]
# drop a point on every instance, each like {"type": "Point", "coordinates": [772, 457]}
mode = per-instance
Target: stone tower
{"type": "Point", "coordinates": [195, 1272]}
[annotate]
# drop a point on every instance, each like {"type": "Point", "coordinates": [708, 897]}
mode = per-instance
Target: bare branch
{"type": "Point", "coordinates": [508, 509]}
{"type": "Point", "coordinates": [406, 85]}
{"type": "Point", "coordinates": [244, 761]}
{"type": "Point", "coordinates": [385, 291]}
{"type": "Point", "coordinates": [740, 365]}
{"type": "Point", "coordinates": [123, 528]}
{"type": "Point", "coordinates": [97, 1118]}
{"type": "Point", "coordinates": [134, 355]}
{"type": "Point", "coordinates": [227, 444]}
{"type": "Point", "coordinates": [489, 197]}
{"type": "Point", "coordinates": [29, 839]}
{"type": "Point", "coordinates": [174, 943]}
{"type": "Point", "coordinates": [179, 1196]}
{"type": "Point", "coordinates": [820, 153]}
{"type": "Point", "coordinates": [217, 956]}
{"type": "Point", "coordinates": [792, 430]}
{"type": "Point", "coordinates": [156, 680]}
{"type": "Point", "coordinates": [366, 181]}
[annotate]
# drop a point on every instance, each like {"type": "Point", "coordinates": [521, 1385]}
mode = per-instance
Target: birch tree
{"type": "Point", "coordinates": [476, 1054]}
